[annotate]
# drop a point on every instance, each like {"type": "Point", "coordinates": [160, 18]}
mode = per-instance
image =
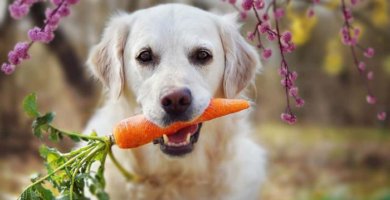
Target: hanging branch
{"type": "Point", "coordinates": [349, 37]}
{"type": "Point", "coordinates": [285, 45]}
{"type": "Point", "coordinates": [44, 34]}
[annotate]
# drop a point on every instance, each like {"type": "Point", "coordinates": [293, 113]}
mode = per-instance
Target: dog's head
{"type": "Point", "coordinates": [174, 59]}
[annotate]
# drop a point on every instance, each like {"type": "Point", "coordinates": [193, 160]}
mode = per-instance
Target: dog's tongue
{"type": "Point", "coordinates": [181, 135]}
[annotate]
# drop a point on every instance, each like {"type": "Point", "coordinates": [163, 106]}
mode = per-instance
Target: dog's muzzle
{"type": "Point", "coordinates": [181, 142]}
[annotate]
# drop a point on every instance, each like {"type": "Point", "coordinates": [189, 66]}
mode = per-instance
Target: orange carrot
{"type": "Point", "coordinates": [137, 130]}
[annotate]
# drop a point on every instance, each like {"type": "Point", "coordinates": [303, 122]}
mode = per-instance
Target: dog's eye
{"type": "Point", "coordinates": [145, 56]}
{"type": "Point", "coordinates": [201, 57]}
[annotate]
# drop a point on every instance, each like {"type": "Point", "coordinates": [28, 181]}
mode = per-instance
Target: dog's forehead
{"type": "Point", "coordinates": [182, 22]}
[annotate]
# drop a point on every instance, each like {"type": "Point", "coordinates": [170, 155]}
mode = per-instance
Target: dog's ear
{"type": "Point", "coordinates": [241, 59]}
{"type": "Point", "coordinates": [106, 58]}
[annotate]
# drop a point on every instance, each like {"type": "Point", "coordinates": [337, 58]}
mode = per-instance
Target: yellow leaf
{"type": "Point", "coordinates": [301, 26]}
{"type": "Point", "coordinates": [333, 63]}
{"type": "Point", "coordinates": [332, 4]}
{"type": "Point", "coordinates": [380, 16]}
{"type": "Point", "coordinates": [386, 65]}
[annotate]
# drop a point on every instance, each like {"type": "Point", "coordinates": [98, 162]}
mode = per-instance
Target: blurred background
{"type": "Point", "coordinates": [338, 150]}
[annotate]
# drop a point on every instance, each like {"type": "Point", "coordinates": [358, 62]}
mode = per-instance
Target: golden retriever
{"type": "Point", "coordinates": [167, 62]}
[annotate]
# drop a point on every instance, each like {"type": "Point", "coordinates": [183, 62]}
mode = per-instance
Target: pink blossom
{"type": "Point", "coordinates": [52, 18]}
{"type": "Point", "coordinates": [310, 12]}
{"type": "Point", "coordinates": [271, 36]}
{"type": "Point", "coordinates": [13, 58]}
{"type": "Point", "coordinates": [288, 47]}
{"type": "Point", "coordinates": [293, 75]}
{"type": "Point", "coordinates": [263, 27]}
{"type": "Point", "coordinates": [346, 37]}
{"type": "Point", "coordinates": [21, 48]}
{"type": "Point", "coordinates": [250, 35]}
{"type": "Point", "coordinates": [265, 17]}
{"type": "Point", "coordinates": [293, 91]}
{"type": "Point", "coordinates": [370, 75]}
{"type": "Point", "coordinates": [362, 66]}
{"type": "Point", "coordinates": [232, 1]}
{"type": "Point", "coordinates": [299, 102]}
{"type": "Point", "coordinates": [371, 99]}
{"type": "Point", "coordinates": [20, 8]}
{"type": "Point", "coordinates": [381, 115]}
{"type": "Point", "coordinates": [283, 71]}
{"type": "Point", "coordinates": [369, 53]}
{"type": "Point", "coordinates": [19, 53]}
{"type": "Point", "coordinates": [259, 4]}
{"type": "Point", "coordinates": [18, 11]}
{"type": "Point", "coordinates": [243, 15]}
{"type": "Point", "coordinates": [286, 83]}
{"type": "Point", "coordinates": [286, 37]}
{"type": "Point", "coordinates": [36, 34]}
{"type": "Point", "coordinates": [247, 4]}
{"type": "Point", "coordinates": [7, 68]}
{"type": "Point", "coordinates": [267, 53]}
{"type": "Point", "coordinates": [63, 11]}
{"type": "Point", "coordinates": [289, 118]}
{"type": "Point", "coordinates": [279, 13]}
{"type": "Point", "coordinates": [347, 15]}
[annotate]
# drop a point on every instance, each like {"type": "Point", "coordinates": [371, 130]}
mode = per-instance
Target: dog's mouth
{"type": "Point", "coordinates": [179, 143]}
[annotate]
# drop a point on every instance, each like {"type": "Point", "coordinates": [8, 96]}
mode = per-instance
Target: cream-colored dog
{"type": "Point", "coordinates": [167, 62]}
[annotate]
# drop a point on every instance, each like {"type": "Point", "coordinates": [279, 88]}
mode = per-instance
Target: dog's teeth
{"type": "Point", "coordinates": [188, 138]}
{"type": "Point", "coordinates": [166, 140]}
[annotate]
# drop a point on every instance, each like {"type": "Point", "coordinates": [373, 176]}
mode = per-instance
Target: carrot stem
{"type": "Point", "coordinates": [129, 176]}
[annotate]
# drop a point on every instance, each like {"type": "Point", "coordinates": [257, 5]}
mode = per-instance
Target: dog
{"type": "Point", "coordinates": [167, 62]}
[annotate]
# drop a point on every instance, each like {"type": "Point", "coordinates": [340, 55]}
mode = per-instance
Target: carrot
{"type": "Point", "coordinates": [137, 130]}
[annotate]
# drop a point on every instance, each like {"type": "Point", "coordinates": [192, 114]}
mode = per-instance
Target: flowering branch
{"type": "Point", "coordinates": [351, 40]}
{"type": "Point", "coordinates": [285, 45]}
{"type": "Point", "coordinates": [45, 34]}
{"type": "Point", "coordinates": [349, 36]}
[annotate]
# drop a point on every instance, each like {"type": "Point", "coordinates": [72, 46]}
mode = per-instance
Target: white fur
{"type": "Point", "coordinates": [226, 163]}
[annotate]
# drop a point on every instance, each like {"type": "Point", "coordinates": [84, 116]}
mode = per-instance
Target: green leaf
{"type": "Point", "coordinates": [30, 105]}
{"type": "Point", "coordinates": [75, 138]}
{"type": "Point", "coordinates": [77, 162]}
{"type": "Point", "coordinates": [43, 151]}
{"type": "Point", "coordinates": [37, 130]}
{"type": "Point", "coordinates": [53, 136]}
{"type": "Point", "coordinates": [44, 193]}
{"type": "Point", "coordinates": [46, 119]}
{"type": "Point", "coordinates": [102, 195]}
{"type": "Point", "coordinates": [41, 124]}
{"type": "Point", "coordinates": [29, 195]}
{"type": "Point", "coordinates": [63, 196]}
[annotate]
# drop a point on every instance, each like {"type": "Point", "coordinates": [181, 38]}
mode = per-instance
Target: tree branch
{"type": "Point", "coordinates": [72, 65]}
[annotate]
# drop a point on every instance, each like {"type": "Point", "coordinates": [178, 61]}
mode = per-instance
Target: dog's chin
{"type": "Point", "coordinates": [181, 142]}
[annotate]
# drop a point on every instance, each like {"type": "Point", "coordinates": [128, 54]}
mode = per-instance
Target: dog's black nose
{"type": "Point", "coordinates": [176, 101]}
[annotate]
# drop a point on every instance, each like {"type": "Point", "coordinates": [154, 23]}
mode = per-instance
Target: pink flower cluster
{"type": "Point", "coordinates": [349, 37]}
{"type": "Point", "coordinates": [45, 34]}
{"type": "Point", "coordinates": [15, 57]}
{"type": "Point", "coordinates": [285, 45]}
{"type": "Point", "coordinates": [20, 8]}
